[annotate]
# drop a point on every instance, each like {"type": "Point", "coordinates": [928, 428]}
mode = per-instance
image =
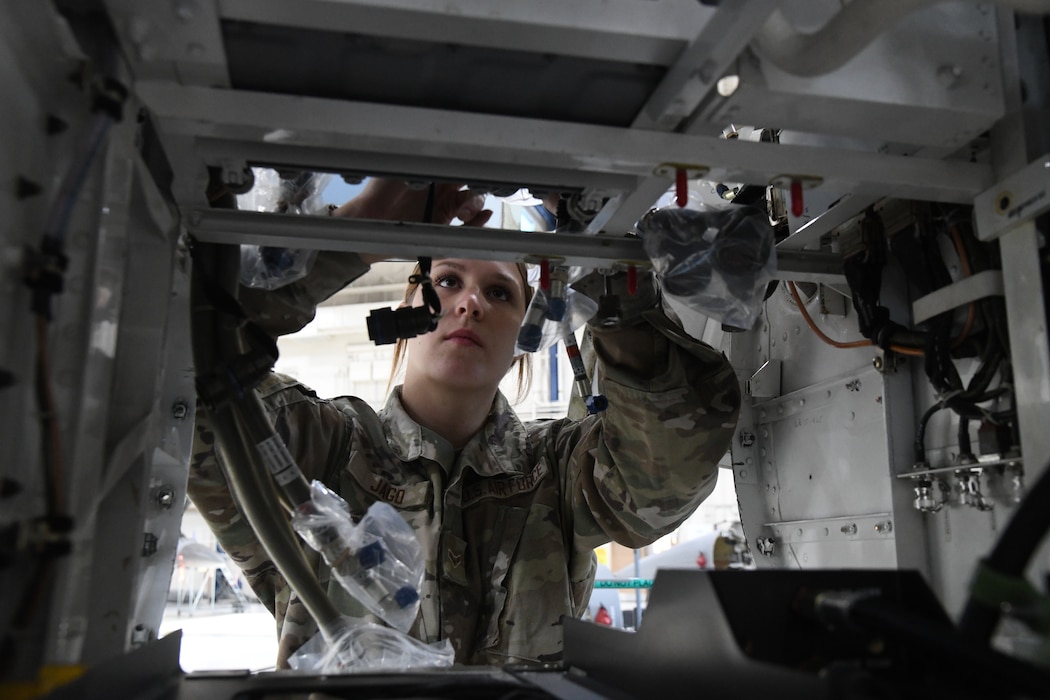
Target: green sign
{"type": "Point", "coordinates": [623, 583]}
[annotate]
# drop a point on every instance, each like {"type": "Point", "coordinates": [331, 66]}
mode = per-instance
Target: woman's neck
{"type": "Point", "coordinates": [453, 413]}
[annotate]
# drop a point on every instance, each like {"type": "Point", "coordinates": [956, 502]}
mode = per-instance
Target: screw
{"type": "Point", "coordinates": [850, 529]}
{"type": "Point", "coordinates": [877, 363]}
{"type": "Point", "coordinates": [139, 635]}
{"type": "Point", "coordinates": [949, 76]}
{"type": "Point", "coordinates": [180, 409]}
{"type": "Point", "coordinates": [884, 527]}
{"type": "Point", "coordinates": [165, 496]}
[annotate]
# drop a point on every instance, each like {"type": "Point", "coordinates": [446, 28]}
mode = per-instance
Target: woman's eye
{"type": "Point", "coordinates": [446, 281]}
{"type": "Point", "coordinates": [501, 293]}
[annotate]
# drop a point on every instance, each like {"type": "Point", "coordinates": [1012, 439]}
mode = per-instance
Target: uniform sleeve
{"type": "Point", "coordinates": [637, 470]}
{"type": "Point", "coordinates": [289, 308]}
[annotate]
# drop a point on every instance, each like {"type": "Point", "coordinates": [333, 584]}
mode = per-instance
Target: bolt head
{"type": "Point", "coordinates": [949, 76]}
{"type": "Point", "coordinates": [165, 497]}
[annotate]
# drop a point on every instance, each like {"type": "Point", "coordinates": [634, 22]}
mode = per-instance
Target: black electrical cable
{"type": "Point", "coordinates": [964, 406]}
{"type": "Point", "coordinates": [920, 432]}
{"type": "Point", "coordinates": [939, 365]}
{"type": "Point", "coordinates": [1010, 557]}
{"type": "Point", "coordinates": [965, 446]}
{"type": "Point", "coordinates": [426, 285]}
{"type": "Point", "coordinates": [431, 300]}
{"type": "Point", "coordinates": [387, 325]}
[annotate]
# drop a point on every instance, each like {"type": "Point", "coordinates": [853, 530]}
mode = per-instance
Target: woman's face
{"type": "Point", "coordinates": [482, 304]}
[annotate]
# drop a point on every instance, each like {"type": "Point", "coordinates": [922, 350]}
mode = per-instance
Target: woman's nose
{"type": "Point", "coordinates": [470, 303]}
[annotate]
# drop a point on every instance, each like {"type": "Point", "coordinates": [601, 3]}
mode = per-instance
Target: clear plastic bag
{"type": "Point", "coordinates": [269, 267]}
{"type": "Point", "coordinates": [540, 331]}
{"type": "Point", "coordinates": [379, 561]}
{"type": "Point", "coordinates": [553, 312]}
{"type": "Point", "coordinates": [365, 646]}
{"type": "Point", "coordinates": [715, 261]}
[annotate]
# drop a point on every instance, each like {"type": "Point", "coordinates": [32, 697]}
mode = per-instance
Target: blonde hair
{"type": "Point", "coordinates": [523, 361]}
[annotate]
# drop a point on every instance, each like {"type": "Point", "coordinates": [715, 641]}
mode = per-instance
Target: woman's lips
{"type": "Point", "coordinates": [465, 336]}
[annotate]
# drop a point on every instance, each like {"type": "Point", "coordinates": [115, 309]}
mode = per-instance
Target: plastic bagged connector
{"type": "Point", "coordinates": [538, 331]}
{"type": "Point", "coordinates": [269, 267]}
{"type": "Point", "coordinates": [715, 261]}
{"type": "Point", "coordinates": [379, 561]}
{"type": "Point", "coordinates": [364, 646]}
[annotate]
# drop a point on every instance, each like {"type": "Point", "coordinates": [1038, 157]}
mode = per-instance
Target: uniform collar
{"type": "Point", "coordinates": [495, 449]}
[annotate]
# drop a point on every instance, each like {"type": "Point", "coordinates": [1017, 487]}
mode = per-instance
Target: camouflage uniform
{"type": "Point", "coordinates": [508, 523]}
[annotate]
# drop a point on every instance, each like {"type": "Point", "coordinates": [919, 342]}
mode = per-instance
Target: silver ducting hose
{"type": "Point", "coordinates": [236, 424]}
{"type": "Point", "coordinates": [846, 34]}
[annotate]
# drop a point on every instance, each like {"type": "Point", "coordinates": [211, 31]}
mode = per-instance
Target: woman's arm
{"type": "Point", "coordinates": [289, 308]}
{"type": "Point", "coordinates": [640, 468]}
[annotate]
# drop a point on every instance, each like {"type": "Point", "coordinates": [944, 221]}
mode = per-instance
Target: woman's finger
{"type": "Point", "coordinates": [479, 219]}
{"type": "Point", "coordinates": [470, 205]}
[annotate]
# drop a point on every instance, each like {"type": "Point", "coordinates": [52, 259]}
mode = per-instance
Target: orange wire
{"type": "Point", "coordinates": [971, 313]}
{"type": "Point", "coordinates": [905, 350]}
{"type": "Point", "coordinates": [899, 349]}
{"type": "Point", "coordinates": [820, 333]}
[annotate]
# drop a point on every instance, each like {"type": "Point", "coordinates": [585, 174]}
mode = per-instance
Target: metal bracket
{"type": "Point", "coordinates": [1019, 198]}
{"type": "Point", "coordinates": [765, 382]}
{"type": "Point", "coordinates": [983, 284]}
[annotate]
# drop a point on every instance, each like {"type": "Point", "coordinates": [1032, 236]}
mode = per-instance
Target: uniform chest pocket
{"type": "Point", "coordinates": [529, 581]}
{"type": "Point", "coordinates": [498, 554]}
